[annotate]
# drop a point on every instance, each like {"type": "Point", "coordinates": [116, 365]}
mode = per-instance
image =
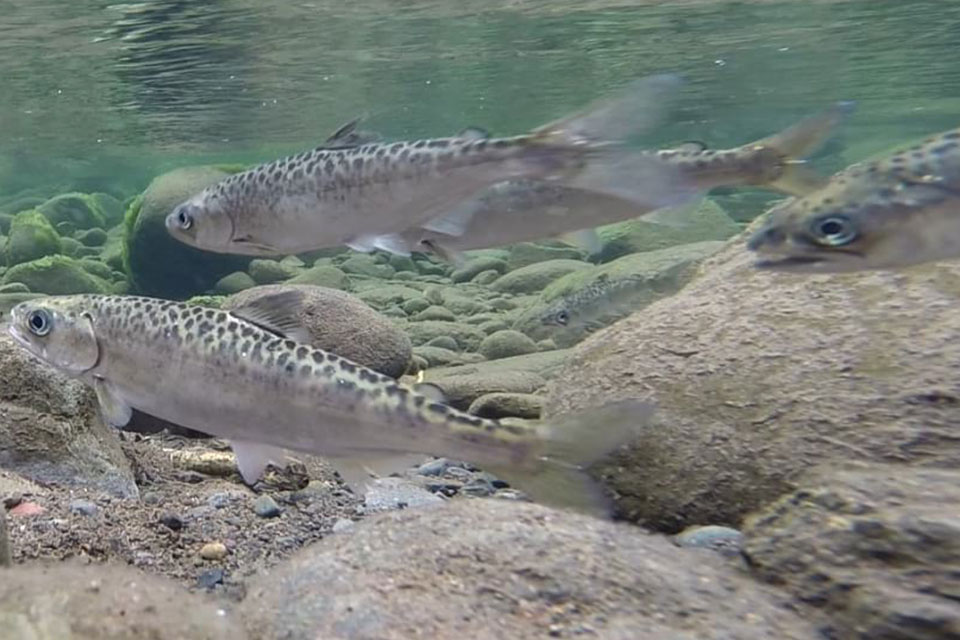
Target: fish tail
{"type": "Point", "coordinates": [799, 141]}
{"type": "Point", "coordinates": [556, 473]}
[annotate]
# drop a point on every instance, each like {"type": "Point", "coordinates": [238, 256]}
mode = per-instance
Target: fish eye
{"type": "Point", "coordinates": [562, 317]}
{"type": "Point", "coordinates": [184, 219]}
{"type": "Point", "coordinates": [835, 231]}
{"type": "Point", "coordinates": [39, 322]}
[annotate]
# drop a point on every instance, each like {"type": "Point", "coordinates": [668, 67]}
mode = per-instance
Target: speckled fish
{"type": "Point", "coordinates": [241, 375]}
{"type": "Point", "coordinates": [366, 194]}
{"type": "Point", "coordinates": [898, 210]}
{"type": "Point", "coordinates": [604, 301]}
{"type": "Point", "coordinates": [523, 210]}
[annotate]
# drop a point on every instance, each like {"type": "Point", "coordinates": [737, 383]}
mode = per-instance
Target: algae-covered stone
{"type": "Point", "coordinates": [271, 271]}
{"type": "Point", "coordinates": [95, 237]}
{"type": "Point", "coordinates": [78, 208]}
{"type": "Point", "coordinates": [367, 265]}
{"type": "Point", "coordinates": [464, 384]}
{"type": "Point", "coordinates": [158, 264]}
{"type": "Point", "coordinates": [381, 296]}
{"type": "Point", "coordinates": [467, 338]}
{"type": "Point", "coordinates": [31, 236]}
{"type": "Point", "coordinates": [71, 247]}
{"type": "Point", "coordinates": [234, 283]}
{"type": "Point", "coordinates": [471, 268]}
{"type": "Point", "coordinates": [323, 276]}
{"type": "Point", "coordinates": [55, 275]}
{"type": "Point", "coordinates": [705, 221]}
{"type": "Point", "coordinates": [486, 277]}
{"type": "Point", "coordinates": [533, 278]}
{"type": "Point", "coordinates": [435, 313]}
{"type": "Point", "coordinates": [97, 268]}
{"type": "Point", "coordinates": [526, 253]}
{"type": "Point", "coordinates": [438, 356]}
{"type": "Point", "coordinates": [111, 208]}
{"type": "Point", "coordinates": [506, 343]}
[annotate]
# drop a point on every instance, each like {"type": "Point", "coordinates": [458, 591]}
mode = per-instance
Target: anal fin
{"type": "Point", "coordinates": [253, 458]}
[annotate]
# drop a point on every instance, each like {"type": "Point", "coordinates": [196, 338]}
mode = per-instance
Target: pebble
{"type": "Point", "coordinates": [724, 540]}
{"type": "Point", "coordinates": [478, 487]}
{"type": "Point", "coordinates": [222, 499]}
{"type": "Point", "coordinates": [151, 497]}
{"type": "Point", "coordinates": [210, 579]}
{"type": "Point", "coordinates": [171, 521]}
{"type": "Point", "coordinates": [83, 508]}
{"type": "Point", "coordinates": [343, 525]}
{"type": "Point", "coordinates": [12, 500]}
{"type": "Point", "coordinates": [266, 507]}
{"type": "Point", "coordinates": [434, 467]}
{"type": "Point", "coordinates": [213, 551]}
{"type": "Point", "coordinates": [27, 509]}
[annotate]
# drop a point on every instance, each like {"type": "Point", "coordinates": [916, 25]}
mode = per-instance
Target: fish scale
{"type": "Point", "coordinates": [249, 375]}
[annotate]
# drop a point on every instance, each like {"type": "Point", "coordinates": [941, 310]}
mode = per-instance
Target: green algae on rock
{"type": "Point", "coordinates": [81, 210]}
{"type": "Point", "coordinates": [56, 275]}
{"type": "Point", "coordinates": [31, 236]}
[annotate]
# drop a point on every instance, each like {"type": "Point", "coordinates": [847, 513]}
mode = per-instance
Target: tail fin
{"type": "Point", "coordinates": [558, 476]}
{"type": "Point", "coordinates": [636, 108]}
{"type": "Point", "coordinates": [800, 141]}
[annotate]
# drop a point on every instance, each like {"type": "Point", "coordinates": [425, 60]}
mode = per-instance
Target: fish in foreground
{"type": "Point", "coordinates": [599, 304]}
{"type": "Point", "coordinates": [524, 210]}
{"type": "Point", "coordinates": [898, 210]}
{"type": "Point", "coordinates": [365, 194]}
{"type": "Point", "coordinates": [244, 376]}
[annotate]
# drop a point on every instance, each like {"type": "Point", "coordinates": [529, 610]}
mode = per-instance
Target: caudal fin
{"type": "Point", "coordinates": [800, 141]}
{"type": "Point", "coordinates": [571, 443]}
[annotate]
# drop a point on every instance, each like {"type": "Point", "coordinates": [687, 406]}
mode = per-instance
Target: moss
{"type": "Point", "coordinates": [55, 275]}
{"type": "Point", "coordinates": [129, 224]}
{"type": "Point", "coordinates": [31, 237]}
{"type": "Point", "coordinates": [207, 301]}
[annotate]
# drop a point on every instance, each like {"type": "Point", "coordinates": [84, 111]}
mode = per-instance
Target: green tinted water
{"type": "Point", "coordinates": [104, 96]}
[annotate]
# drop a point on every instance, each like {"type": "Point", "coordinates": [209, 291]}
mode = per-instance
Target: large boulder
{"type": "Point", "coordinates": [157, 264]}
{"type": "Point", "coordinates": [341, 323]}
{"type": "Point", "coordinates": [493, 569]}
{"type": "Point", "coordinates": [758, 376]}
{"type": "Point", "coordinates": [50, 428]}
{"type": "Point", "coordinates": [72, 601]}
{"type": "Point", "coordinates": [876, 545]}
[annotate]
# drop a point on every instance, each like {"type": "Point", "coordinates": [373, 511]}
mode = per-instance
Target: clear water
{"type": "Point", "coordinates": [100, 96]}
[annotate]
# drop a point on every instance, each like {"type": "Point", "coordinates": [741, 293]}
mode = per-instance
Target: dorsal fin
{"type": "Point", "coordinates": [347, 135]}
{"type": "Point", "coordinates": [277, 313]}
{"type": "Point", "coordinates": [474, 133]}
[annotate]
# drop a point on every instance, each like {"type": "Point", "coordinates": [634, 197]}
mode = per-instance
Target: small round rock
{"type": "Point", "coordinates": [266, 507]}
{"type": "Point", "coordinates": [83, 508]}
{"type": "Point", "coordinates": [213, 551]}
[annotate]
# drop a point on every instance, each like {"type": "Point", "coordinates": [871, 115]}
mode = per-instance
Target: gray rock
{"type": "Point", "coordinates": [471, 268]}
{"type": "Point", "coordinates": [234, 283]}
{"type": "Point", "coordinates": [367, 265]}
{"type": "Point", "coordinates": [93, 602]}
{"type": "Point", "coordinates": [266, 507]}
{"type": "Point", "coordinates": [461, 389]}
{"type": "Point", "coordinates": [725, 540]}
{"type": "Point", "coordinates": [271, 271]}
{"type": "Point", "coordinates": [533, 278]}
{"type": "Point", "coordinates": [503, 405]}
{"type": "Point", "coordinates": [875, 545]}
{"type": "Point", "coordinates": [322, 276]}
{"type": "Point", "coordinates": [526, 572]}
{"type": "Point", "coordinates": [492, 326]}
{"type": "Point", "coordinates": [387, 494]}
{"type": "Point", "coordinates": [506, 343]}
{"type": "Point", "coordinates": [343, 525]}
{"type": "Point", "coordinates": [463, 305]}
{"type": "Point", "coordinates": [707, 222]}
{"type": "Point", "coordinates": [414, 306]}
{"type": "Point", "coordinates": [83, 508]}
{"type": "Point", "coordinates": [344, 325]}
{"type": "Point", "coordinates": [526, 253]}
{"type": "Point", "coordinates": [758, 376]}
{"type": "Point", "coordinates": [467, 338]}
{"type": "Point", "coordinates": [435, 313]}
{"type": "Point", "coordinates": [51, 431]}
{"type": "Point", "coordinates": [438, 356]}
{"type": "Point", "coordinates": [443, 342]}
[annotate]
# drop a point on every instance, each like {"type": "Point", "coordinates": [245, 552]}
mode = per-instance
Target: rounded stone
{"type": "Point", "coordinates": [506, 343]}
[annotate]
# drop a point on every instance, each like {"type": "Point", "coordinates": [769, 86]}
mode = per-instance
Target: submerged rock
{"type": "Point", "coordinates": [461, 388]}
{"type": "Point", "coordinates": [31, 236]}
{"type": "Point", "coordinates": [81, 210]}
{"type": "Point", "coordinates": [342, 324]}
{"type": "Point", "coordinates": [877, 546]}
{"type": "Point", "coordinates": [502, 405]}
{"type": "Point", "coordinates": [494, 569]}
{"type": "Point", "coordinates": [55, 275]}
{"type": "Point", "coordinates": [506, 343]}
{"type": "Point", "coordinates": [70, 601]}
{"type": "Point", "coordinates": [467, 338]}
{"type": "Point", "coordinates": [527, 253]}
{"type": "Point", "coordinates": [50, 428]}
{"type": "Point", "coordinates": [758, 376]}
{"type": "Point", "coordinates": [322, 276]}
{"type": "Point", "coordinates": [533, 278]}
{"type": "Point", "coordinates": [159, 265]}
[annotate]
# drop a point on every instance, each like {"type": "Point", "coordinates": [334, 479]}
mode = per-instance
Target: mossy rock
{"type": "Point", "coordinates": [31, 237]}
{"type": "Point", "coordinates": [81, 209]}
{"type": "Point", "coordinates": [207, 301]}
{"type": "Point", "coordinates": [56, 275]}
{"type": "Point", "coordinates": [111, 208]}
{"type": "Point", "coordinates": [157, 264]}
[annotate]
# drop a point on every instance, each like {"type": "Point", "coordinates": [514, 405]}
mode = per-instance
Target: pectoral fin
{"type": "Point", "coordinates": [253, 458]}
{"type": "Point", "coordinates": [114, 409]}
